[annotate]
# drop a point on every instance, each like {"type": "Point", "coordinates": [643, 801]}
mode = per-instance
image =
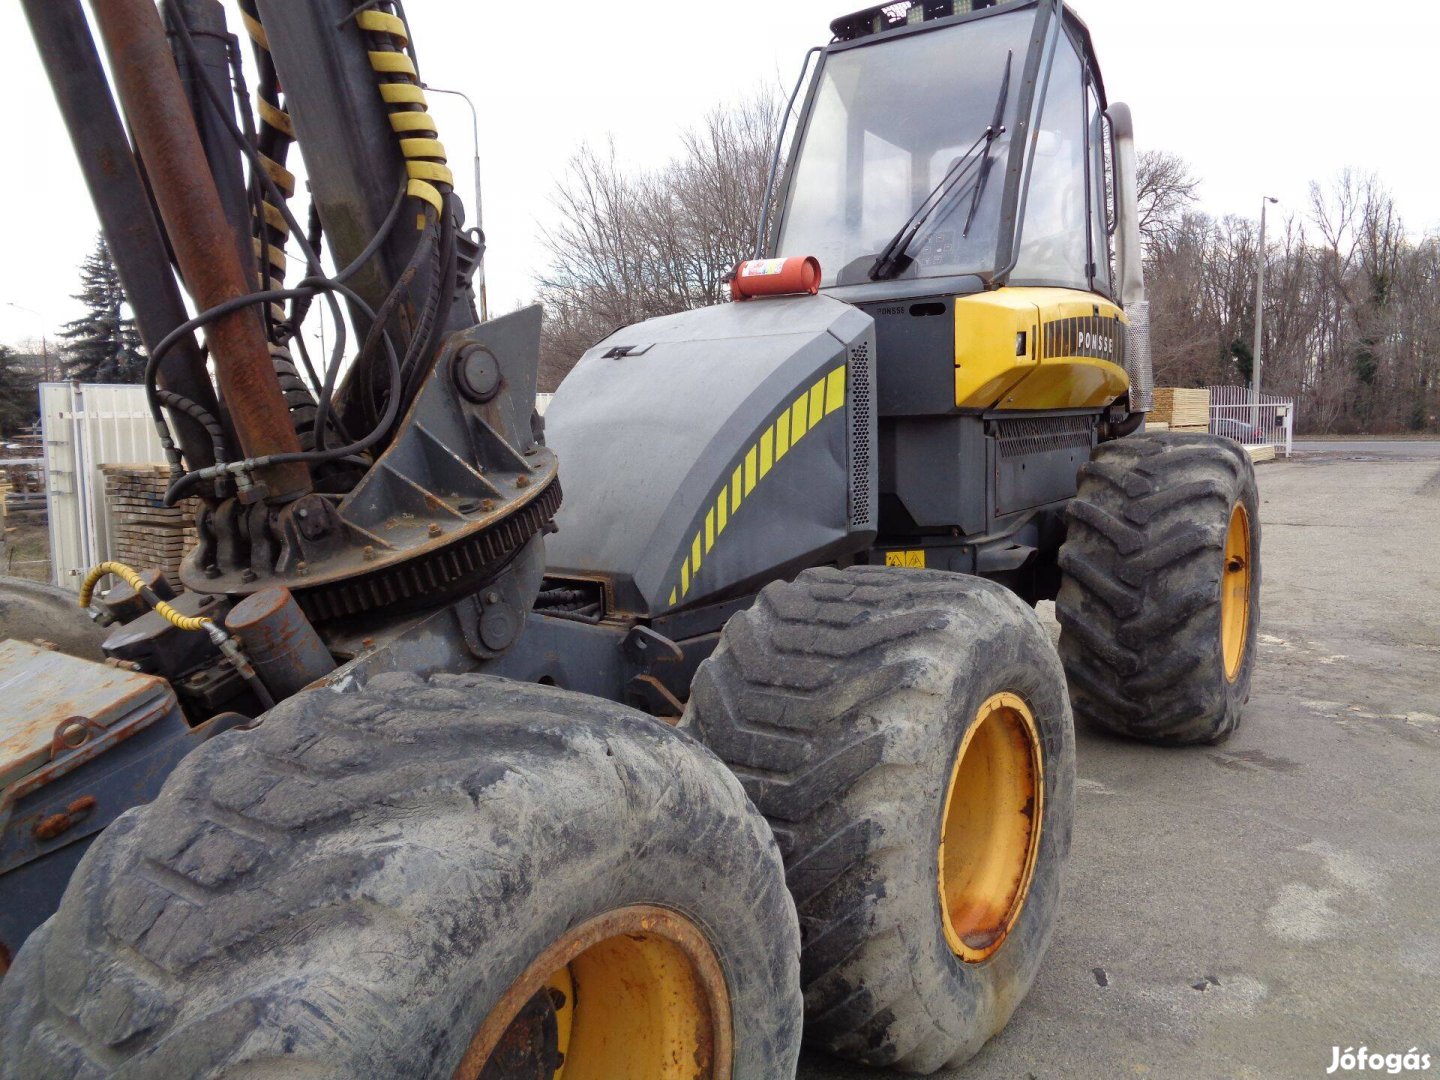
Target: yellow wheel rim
{"type": "Point", "coordinates": [1235, 592]}
{"type": "Point", "coordinates": [636, 993]}
{"type": "Point", "coordinates": [990, 834]}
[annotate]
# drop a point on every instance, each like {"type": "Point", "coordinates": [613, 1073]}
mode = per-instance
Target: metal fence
{"type": "Point", "coordinates": [86, 425]}
{"type": "Point", "coordinates": [1271, 420]}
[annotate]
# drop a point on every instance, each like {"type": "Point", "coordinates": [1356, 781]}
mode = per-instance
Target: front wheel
{"type": "Point", "coordinates": [908, 737]}
{"type": "Point", "coordinates": [1159, 606]}
{"type": "Point", "coordinates": [460, 878]}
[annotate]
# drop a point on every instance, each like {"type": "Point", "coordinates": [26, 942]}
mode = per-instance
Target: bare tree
{"type": "Point", "coordinates": [1352, 307]}
{"type": "Point", "coordinates": [1165, 189]}
{"type": "Point", "coordinates": [630, 245]}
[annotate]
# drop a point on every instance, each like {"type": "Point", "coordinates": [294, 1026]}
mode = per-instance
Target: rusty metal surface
{"type": "Point", "coordinates": [154, 102]}
{"type": "Point", "coordinates": [530, 1045]}
{"type": "Point", "coordinates": [285, 649]}
{"type": "Point", "coordinates": [51, 699]}
{"type": "Point", "coordinates": [57, 824]}
{"type": "Point", "coordinates": [461, 488]}
{"type": "Point", "coordinates": [92, 772]}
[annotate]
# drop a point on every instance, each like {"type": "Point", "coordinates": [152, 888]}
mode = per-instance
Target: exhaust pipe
{"type": "Point", "coordinates": [1130, 262]}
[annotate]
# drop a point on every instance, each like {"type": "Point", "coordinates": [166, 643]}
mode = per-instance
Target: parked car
{"type": "Point", "coordinates": [1238, 430]}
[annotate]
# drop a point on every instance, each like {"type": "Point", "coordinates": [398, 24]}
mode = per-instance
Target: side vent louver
{"type": "Point", "coordinates": [860, 449]}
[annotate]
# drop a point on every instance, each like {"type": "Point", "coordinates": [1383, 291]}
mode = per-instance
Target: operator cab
{"type": "Point", "coordinates": [952, 146]}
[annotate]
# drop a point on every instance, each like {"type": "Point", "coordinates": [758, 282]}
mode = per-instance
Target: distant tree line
{"type": "Point", "coordinates": [19, 397]}
{"type": "Point", "coordinates": [1352, 301]}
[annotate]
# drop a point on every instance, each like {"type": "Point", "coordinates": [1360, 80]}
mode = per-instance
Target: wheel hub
{"type": "Point", "coordinates": [990, 832]}
{"type": "Point", "coordinates": [1235, 592]}
{"type": "Point", "coordinates": [637, 992]}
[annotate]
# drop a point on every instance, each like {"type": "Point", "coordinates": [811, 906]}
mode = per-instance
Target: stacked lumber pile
{"type": "Point", "coordinates": [24, 479]}
{"type": "Point", "coordinates": [1260, 452]}
{"type": "Point", "coordinates": [1181, 408]}
{"type": "Point", "coordinates": [144, 532]}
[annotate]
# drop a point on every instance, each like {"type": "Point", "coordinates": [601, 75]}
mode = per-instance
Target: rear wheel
{"type": "Point", "coordinates": [1159, 606]}
{"type": "Point", "coordinates": [460, 878]}
{"type": "Point", "coordinates": [908, 737]}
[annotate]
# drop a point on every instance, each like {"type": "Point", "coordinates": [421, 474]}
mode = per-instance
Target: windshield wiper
{"type": "Point", "coordinates": [988, 160]}
{"type": "Point", "coordinates": [894, 258]}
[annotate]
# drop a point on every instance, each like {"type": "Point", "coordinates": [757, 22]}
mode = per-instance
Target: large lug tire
{"type": "Point", "coordinates": [460, 877]}
{"type": "Point", "coordinates": [1159, 605]}
{"type": "Point", "coordinates": [887, 722]}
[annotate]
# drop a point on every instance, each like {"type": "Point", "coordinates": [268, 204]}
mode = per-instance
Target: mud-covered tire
{"type": "Point", "coordinates": [842, 700]}
{"type": "Point", "coordinates": [1140, 605]}
{"type": "Point", "coordinates": [346, 890]}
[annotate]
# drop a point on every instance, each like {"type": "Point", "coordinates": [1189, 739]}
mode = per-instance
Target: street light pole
{"type": "Point", "coordinates": [1259, 319]}
{"type": "Point", "coordinates": [479, 217]}
{"type": "Point", "coordinates": [44, 344]}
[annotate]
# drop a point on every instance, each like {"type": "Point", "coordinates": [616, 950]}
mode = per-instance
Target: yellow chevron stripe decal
{"type": "Point", "coordinates": [835, 393]}
{"type": "Point", "coordinates": [799, 414]}
{"type": "Point", "coordinates": [754, 463]}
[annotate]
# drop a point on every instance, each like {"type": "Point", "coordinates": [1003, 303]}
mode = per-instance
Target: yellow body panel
{"type": "Point", "coordinates": [1038, 348]}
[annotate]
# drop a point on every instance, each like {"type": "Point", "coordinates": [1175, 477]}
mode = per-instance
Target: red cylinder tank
{"type": "Point", "coordinates": [775, 277]}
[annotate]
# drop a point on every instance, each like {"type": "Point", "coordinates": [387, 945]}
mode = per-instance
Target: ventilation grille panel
{"type": "Point", "coordinates": [860, 436]}
{"type": "Point", "coordinates": [1019, 436]}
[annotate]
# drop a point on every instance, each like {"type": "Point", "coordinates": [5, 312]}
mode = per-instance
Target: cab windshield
{"type": "Point", "coordinates": [887, 123]}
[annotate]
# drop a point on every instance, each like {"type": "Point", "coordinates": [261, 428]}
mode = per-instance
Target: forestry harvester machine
{"type": "Point", "coordinates": [415, 771]}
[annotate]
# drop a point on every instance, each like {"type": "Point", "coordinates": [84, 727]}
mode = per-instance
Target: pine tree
{"type": "Point", "coordinates": [102, 345]}
{"type": "Point", "coordinates": [19, 396]}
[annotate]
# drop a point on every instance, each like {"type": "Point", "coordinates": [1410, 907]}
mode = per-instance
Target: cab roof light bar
{"type": "Point", "coordinates": [883, 17]}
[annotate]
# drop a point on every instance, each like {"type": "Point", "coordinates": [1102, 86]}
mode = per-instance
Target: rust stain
{"type": "Point", "coordinates": [48, 828]}
{"type": "Point", "coordinates": [59, 707]}
{"type": "Point", "coordinates": [51, 827]}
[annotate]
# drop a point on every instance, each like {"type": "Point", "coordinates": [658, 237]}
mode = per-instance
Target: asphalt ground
{"type": "Point", "coordinates": [1238, 911]}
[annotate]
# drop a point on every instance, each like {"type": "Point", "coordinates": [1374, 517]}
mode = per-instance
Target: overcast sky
{"type": "Point", "coordinates": [1261, 96]}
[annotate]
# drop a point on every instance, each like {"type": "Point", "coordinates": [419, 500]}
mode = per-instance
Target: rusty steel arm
{"type": "Point", "coordinates": [154, 101]}
{"type": "Point", "coordinates": [63, 40]}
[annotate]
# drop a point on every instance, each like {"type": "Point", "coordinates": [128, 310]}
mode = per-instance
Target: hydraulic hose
{"type": "Point", "coordinates": [223, 641]}
{"type": "Point", "coordinates": [136, 582]}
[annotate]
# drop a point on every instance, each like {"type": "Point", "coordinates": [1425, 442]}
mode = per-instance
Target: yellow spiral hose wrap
{"type": "Point", "coordinates": [136, 582]}
{"type": "Point", "coordinates": [415, 129]}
